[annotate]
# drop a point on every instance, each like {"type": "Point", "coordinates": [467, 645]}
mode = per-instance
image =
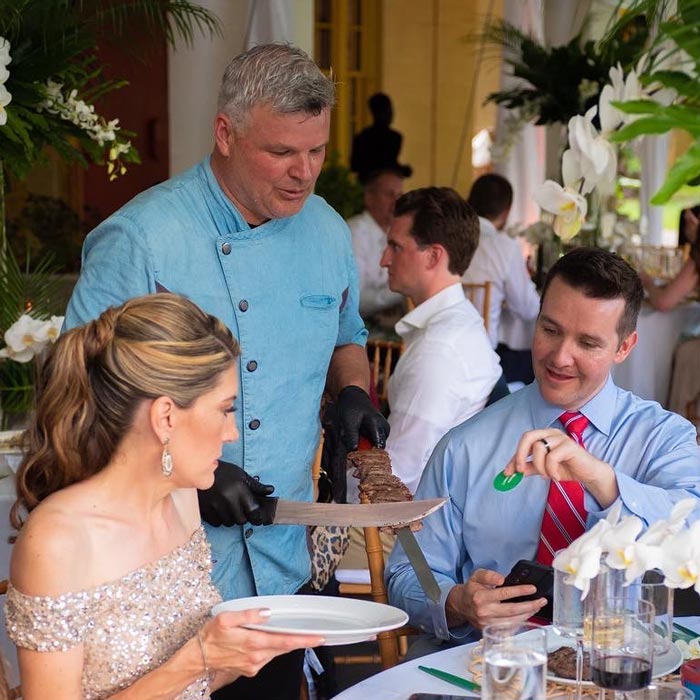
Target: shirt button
{"type": "Point", "coordinates": [254, 424]}
{"type": "Point", "coordinates": [226, 248]}
{"type": "Point", "coordinates": [248, 532]}
{"type": "Point", "coordinates": [243, 305]}
{"type": "Point", "coordinates": [252, 366]}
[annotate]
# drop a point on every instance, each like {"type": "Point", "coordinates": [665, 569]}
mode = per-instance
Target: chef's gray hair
{"type": "Point", "coordinates": [278, 75]}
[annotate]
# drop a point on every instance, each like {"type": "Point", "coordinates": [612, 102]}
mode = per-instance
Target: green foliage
{"type": "Point", "coordinates": [673, 62]}
{"type": "Point", "coordinates": [57, 40]}
{"type": "Point", "coordinates": [38, 293]}
{"type": "Point", "coordinates": [561, 81]}
{"type": "Point", "coordinates": [340, 189]}
{"type": "Point", "coordinates": [47, 224]}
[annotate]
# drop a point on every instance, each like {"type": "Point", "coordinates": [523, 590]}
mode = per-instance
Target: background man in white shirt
{"type": "Point", "coordinates": [448, 368]}
{"type": "Point", "coordinates": [499, 259]}
{"type": "Point", "coordinates": [369, 229]}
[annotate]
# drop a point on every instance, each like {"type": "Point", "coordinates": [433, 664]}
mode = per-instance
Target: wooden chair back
{"type": "Point", "coordinates": [479, 294]}
{"type": "Point", "coordinates": [382, 355]}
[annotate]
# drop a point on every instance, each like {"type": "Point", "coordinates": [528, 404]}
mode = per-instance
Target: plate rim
{"type": "Point", "coordinates": [262, 601]}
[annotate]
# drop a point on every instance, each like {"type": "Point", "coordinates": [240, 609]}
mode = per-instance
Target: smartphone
{"type": "Point", "coordinates": [538, 575]}
{"type": "Point", "coordinates": [432, 696]}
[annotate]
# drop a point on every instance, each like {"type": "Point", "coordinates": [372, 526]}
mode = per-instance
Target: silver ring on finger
{"type": "Point", "coordinates": [546, 445]}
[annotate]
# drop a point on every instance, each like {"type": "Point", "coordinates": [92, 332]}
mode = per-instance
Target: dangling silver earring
{"type": "Point", "coordinates": [166, 460]}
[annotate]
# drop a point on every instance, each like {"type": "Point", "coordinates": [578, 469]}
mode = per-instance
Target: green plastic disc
{"type": "Point", "coordinates": [506, 483]}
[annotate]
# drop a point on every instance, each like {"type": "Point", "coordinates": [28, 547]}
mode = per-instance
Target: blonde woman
{"type": "Point", "coordinates": [110, 593]}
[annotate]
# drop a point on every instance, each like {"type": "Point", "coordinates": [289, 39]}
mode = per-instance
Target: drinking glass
{"type": "Point", "coordinates": [622, 644]}
{"type": "Point", "coordinates": [660, 596]}
{"type": "Point", "coordinates": [653, 589]}
{"type": "Point", "coordinates": [568, 619]}
{"type": "Point", "coordinates": [515, 662]}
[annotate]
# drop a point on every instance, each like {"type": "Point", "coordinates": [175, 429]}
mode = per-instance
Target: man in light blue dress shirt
{"type": "Point", "coordinates": [635, 452]}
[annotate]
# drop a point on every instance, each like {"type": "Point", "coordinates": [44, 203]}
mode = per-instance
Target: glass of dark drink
{"type": "Point", "coordinates": [622, 644]}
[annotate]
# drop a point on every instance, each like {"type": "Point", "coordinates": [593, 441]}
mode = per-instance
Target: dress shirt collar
{"type": "Point", "coordinates": [599, 410]}
{"type": "Point", "coordinates": [486, 227]}
{"type": "Point", "coordinates": [420, 316]}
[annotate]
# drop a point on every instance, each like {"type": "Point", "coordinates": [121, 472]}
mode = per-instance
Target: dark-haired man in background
{"type": "Point", "coordinates": [592, 444]}
{"type": "Point", "coordinates": [499, 259]}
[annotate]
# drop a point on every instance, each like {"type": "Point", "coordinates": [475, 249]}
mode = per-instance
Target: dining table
{"type": "Point", "coordinates": [400, 682]}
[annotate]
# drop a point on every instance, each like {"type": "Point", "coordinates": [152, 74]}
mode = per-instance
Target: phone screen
{"type": "Point", "coordinates": [433, 696]}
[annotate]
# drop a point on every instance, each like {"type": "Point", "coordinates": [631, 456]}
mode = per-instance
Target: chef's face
{"type": "Point", "coordinates": [268, 166]}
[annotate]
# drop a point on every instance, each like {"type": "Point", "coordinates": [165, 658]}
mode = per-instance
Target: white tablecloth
{"type": "Point", "coordinates": [647, 371]}
{"type": "Point", "coordinates": [400, 682]}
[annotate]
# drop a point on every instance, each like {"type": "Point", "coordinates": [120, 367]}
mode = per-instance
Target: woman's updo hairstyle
{"type": "Point", "coordinates": [97, 375]}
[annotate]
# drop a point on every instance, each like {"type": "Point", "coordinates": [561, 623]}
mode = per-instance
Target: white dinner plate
{"type": "Point", "coordinates": [663, 663]}
{"type": "Point", "coordinates": [337, 620]}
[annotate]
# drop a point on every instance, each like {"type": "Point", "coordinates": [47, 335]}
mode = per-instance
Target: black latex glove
{"type": "Point", "coordinates": [234, 499]}
{"type": "Point", "coordinates": [358, 416]}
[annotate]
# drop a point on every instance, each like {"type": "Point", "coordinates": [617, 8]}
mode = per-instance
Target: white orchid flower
{"type": "Point", "coordinates": [5, 57]}
{"type": "Point", "coordinates": [22, 356]}
{"type": "Point", "coordinates": [595, 155]}
{"type": "Point", "coordinates": [624, 552]}
{"type": "Point", "coordinates": [54, 328]}
{"type": "Point", "coordinates": [5, 99]}
{"type": "Point", "coordinates": [657, 532]}
{"type": "Point", "coordinates": [610, 117]}
{"type": "Point", "coordinates": [691, 649]}
{"type": "Point", "coordinates": [581, 559]}
{"type": "Point", "coordinates": [26, 334]}
{"type": "Point", "coordinates": [681, 558]}
{"type": "Point", "coordinates": [569, 207]}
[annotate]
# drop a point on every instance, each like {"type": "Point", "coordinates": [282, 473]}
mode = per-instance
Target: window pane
{"type": "Point", "coordinates": [355, 51]}
{"type": "Point", "coordinates": [323, 48]}
{"type": "Point", "coordinates": [355, 11]}
{"type": "Point", "coordinates": [323, 10]}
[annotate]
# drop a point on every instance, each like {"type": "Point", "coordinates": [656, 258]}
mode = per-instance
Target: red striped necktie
{"type": "Point", "coordinates": [565, 515]}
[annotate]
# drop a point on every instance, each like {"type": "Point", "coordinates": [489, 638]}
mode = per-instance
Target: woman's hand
{"type": "Point", "coordinates": [237, 651]}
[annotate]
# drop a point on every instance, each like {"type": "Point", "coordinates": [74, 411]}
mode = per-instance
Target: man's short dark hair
{"type": "Point", "coordinates": [441, 216]}
{"type": "Point", "coordinates": [600, 274]}
{"type": "Point", "coordinates": [490, 196]}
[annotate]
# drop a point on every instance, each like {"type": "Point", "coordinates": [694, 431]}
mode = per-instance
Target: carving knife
{"type": "Point", "coordinates": [396, 515]}
{"type": "Point", "coordinates": [415, 555]}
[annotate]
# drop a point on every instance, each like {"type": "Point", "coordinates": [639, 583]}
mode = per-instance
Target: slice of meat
{"type": "Point", "coordinates": [377, 482]}
{"type": "Point", "coordinates": [562, 663]}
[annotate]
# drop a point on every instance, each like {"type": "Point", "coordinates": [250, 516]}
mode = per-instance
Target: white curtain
{"type": "Point", "coordinates": [269, 20]}
{"type": "Point", "coordinates": [524, 164]}
{"type": "Point", "coordinates": [653, 152]}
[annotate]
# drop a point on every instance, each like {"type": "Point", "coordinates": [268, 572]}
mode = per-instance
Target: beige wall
{"type": "Point", "coordinates": [429, 68]}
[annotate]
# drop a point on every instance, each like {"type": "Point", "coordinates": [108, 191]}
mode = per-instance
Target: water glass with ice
{"type": "Point", "coordinates": [515, 662]}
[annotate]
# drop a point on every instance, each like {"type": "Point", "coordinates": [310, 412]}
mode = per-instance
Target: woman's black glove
{"type": "Point", "coordinates": [233, 499]}
{"type": "Point", "coordinates": [358, 416]}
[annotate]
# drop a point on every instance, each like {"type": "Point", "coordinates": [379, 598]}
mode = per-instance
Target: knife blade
{"type": "Point", "coordinates": [362, 515]}
{"type": "Point", "coordinates": [418, 562]}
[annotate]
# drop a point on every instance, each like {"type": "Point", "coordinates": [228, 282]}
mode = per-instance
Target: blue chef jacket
{"type": "Point", "coordinates": [288, 291]}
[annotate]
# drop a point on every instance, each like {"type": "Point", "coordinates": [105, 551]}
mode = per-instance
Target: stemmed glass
{"type": "Point", "coordinates": [622, 644]}
{"type": "Point", "coordinates": [568, 618]}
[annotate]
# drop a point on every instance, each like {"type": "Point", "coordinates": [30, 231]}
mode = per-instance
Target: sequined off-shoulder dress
{"type": "Point", "coordinates": [127, 627]}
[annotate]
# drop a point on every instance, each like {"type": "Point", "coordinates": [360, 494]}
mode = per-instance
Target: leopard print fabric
{"type": "Point", "coordinates": [327, 546]}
